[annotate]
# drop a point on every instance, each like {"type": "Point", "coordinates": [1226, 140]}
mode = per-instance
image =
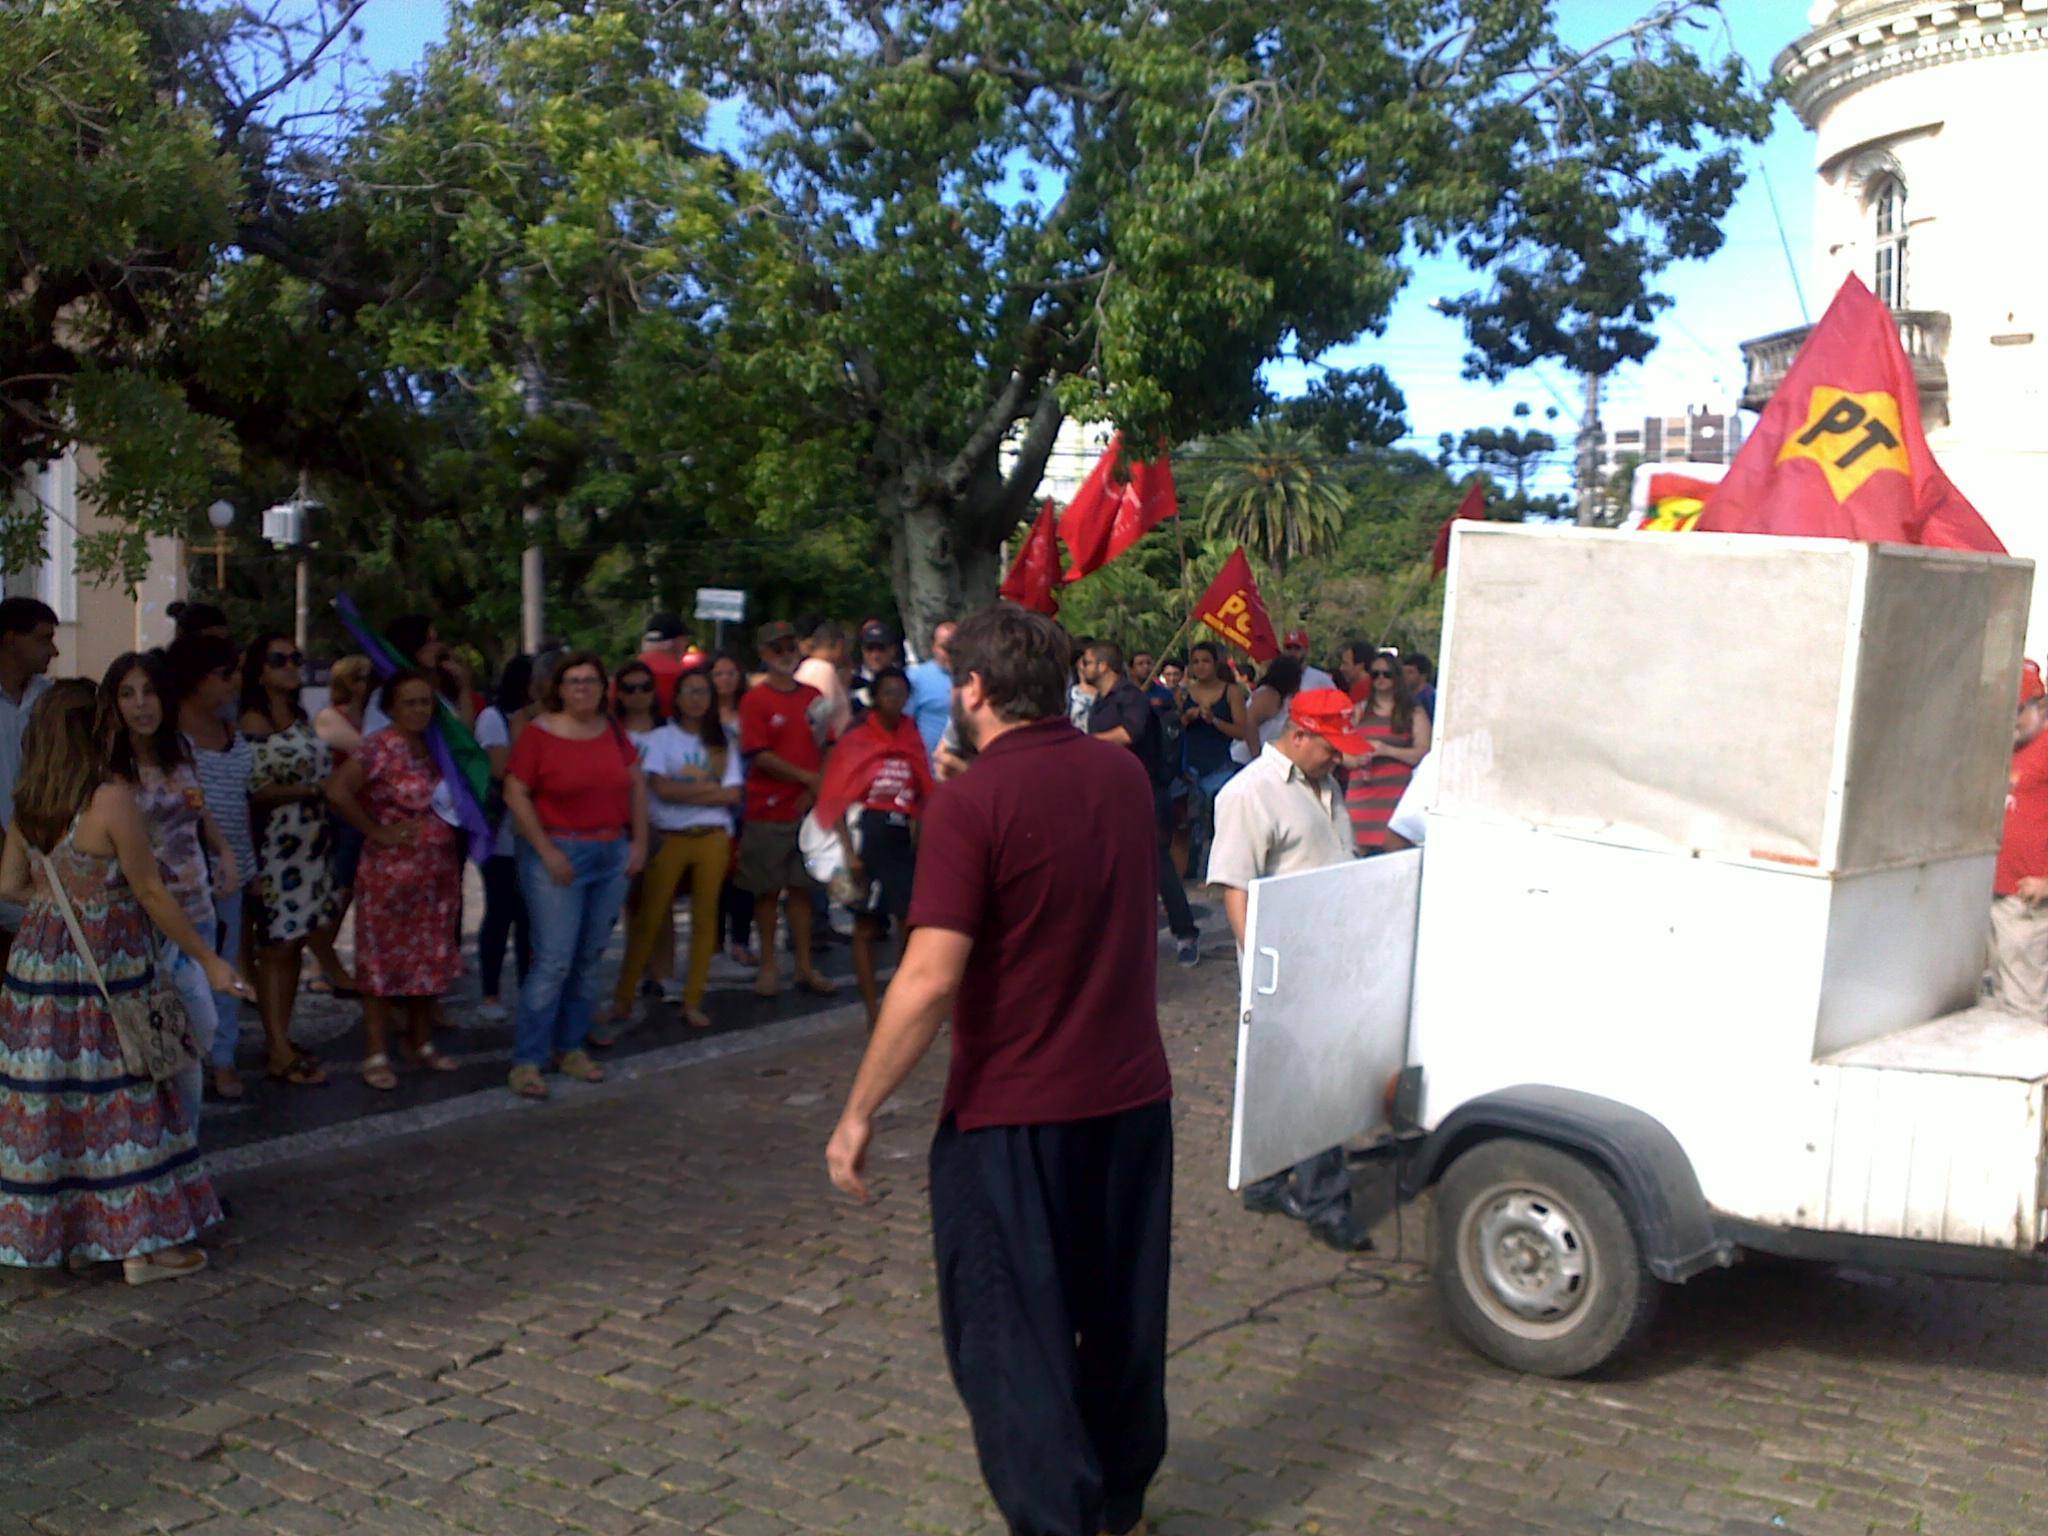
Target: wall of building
{"type": "Point", "coordinates": [96, 621]}
{"type": "Point", "coordinates": [1957, 133]}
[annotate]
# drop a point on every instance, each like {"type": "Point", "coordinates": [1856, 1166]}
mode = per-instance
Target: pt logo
{"type": "Point", "coordinates": [1234, 619]}
{"type": "Point", "coordinates": [1851, 437]}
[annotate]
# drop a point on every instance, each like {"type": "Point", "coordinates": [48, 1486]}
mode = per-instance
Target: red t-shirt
{"type": "Point", "coordinates": [777, 720]}
{"type": "Point", "coordinates": [667, 670]}
{"type": "Point", "coordinates": [1043, 854]}
{"type": "Point", "coordinates": [583, 787]}
{"type": "Point", "coordinates": [2024, 848]}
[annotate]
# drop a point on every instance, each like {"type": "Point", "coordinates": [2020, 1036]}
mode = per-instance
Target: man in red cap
{"type": "Point", "coordinates": [2019, 928]}
{"type": "Point", "coordinates": [1284, 814]}
{"type": "Point", "coordinates": [1295, 644]}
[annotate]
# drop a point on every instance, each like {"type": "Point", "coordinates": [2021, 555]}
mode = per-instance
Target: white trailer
{"type": "Point", "coordinates": [1689, 965]}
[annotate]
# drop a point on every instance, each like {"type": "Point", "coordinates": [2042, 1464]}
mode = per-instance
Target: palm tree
{"type": "Point", "coordinates": [1275, 490]}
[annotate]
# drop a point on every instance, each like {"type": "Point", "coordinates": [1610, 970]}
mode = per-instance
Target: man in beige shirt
{"type": "Point", "coordinates": [1282, 815]}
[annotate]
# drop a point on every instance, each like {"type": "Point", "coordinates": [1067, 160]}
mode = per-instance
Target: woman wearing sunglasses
{"type": "Point", "coordinates": [292, 896]}
{"type": "Point", "coordinates": [1399, 729]}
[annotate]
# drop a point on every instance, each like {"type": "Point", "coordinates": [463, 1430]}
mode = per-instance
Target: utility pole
{"type": "Point", "coordinates": [302, 579]}
{"type": "Point", "coordinates": [531, 617]}
{"type": "Point", "coordinates": [1589, 455]}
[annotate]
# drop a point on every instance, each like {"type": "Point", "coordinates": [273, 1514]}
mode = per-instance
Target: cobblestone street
{"type": "Point", "coordinates": [641, 1308]}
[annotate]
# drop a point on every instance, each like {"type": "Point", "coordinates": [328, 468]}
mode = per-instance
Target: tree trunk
{"type": "Point", "coordinates": [938, 573]}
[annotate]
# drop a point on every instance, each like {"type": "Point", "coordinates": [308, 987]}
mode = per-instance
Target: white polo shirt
{"type": "Point", "coordinates": [1272, 819]}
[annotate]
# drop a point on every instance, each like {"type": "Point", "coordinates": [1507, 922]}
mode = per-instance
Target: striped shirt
{"type": "Point", "coordinates": [1374, 791]}
{"type": "Point", "coordinates": [224, 780]}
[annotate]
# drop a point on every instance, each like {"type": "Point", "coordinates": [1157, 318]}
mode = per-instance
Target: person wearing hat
{"type": "Point", "coordinates": [661, 648]}
{"type": "Point", "coordinates": [1283, 814]}
{"type": "Point", "coordinates": [879, 653]}
{"type": "Point", "coordinates": [782, 733]}
{"type": "Point", "coordinates": [1295, 643]}
{"type": "Point", "coordinates": [2019, 927]}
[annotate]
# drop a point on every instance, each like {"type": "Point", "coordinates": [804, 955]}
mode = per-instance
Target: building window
{"type": "Point", "coordinates": [1888, 212]}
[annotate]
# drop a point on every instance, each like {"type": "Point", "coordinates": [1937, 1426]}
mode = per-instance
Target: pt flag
{"type": "Point", "coordinates": [1472, 510]}
{"type": "Point", "coordinates": [1676, 502]}
{"type": "Point", "coordinates": [1117, 505]}
{"type": "Point", "coordinates": [1839, 453]}
{"type": "Point", "coordinates": [1034, 577]}
{"type": "Point", "coordinates": [1232, 607]}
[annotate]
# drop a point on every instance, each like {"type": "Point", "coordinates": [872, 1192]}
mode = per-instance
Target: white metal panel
{"type": "Point", "coordinates": [1326, 977]}
{"type": "Point", "coordinates": [1904, 945]}
{"type": "Point", "coordinates": [1979, 1041]}
{"type": "Point", "coordinates": [1683, 987]}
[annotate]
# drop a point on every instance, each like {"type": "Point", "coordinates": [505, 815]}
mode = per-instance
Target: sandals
{"type": "Point", "coordinates": [430, 1057]}
{"type": "Point", "coordinates": [578, 1065]}
{"type": "Point", "coordinates": [739, 954]}
{"type": "Point", "coordinates": [378, 1074]}
{"type": "Point", "coordinates": [164, 1264]}
{"type": "Point", "coordinates": [527, 1082]}
{"type": "Point", "coordinates": [818, 986]}
{"type": "Point", "coordinates": [696, 1018]}
{"type": "Point", "coordinates": [227, 1084]}
{"type": "Point", "coordinates": [320, 986]}
{"type": "Point", "coordinates": [302, 1071]}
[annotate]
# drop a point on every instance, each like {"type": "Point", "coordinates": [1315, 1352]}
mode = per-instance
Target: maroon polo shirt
{"type": "Point", "coordinates": [1043, 854]}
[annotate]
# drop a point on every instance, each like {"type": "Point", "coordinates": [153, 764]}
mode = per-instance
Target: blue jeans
{"type": "Point", "coordinates": [569, 924]}
{"type": "Point", "coordinates": [227, 1008]}
{"type": "Point", "coordinates": [1202, 817]}
{"type": "Point", "coordinates": [190, 980]}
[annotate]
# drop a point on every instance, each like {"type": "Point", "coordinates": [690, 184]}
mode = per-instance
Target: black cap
{"type": "Point", "coordinates": [875, 632]}
{"type": "Point", "coordinates": [774, 632]}
{"type": "Point", "coordinates": [665, 626]}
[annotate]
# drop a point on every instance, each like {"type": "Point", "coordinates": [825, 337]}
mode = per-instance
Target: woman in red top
{"type": "Point", "coordinates": [576, 793]}
{"type": "Point", "coordinates": [1399, 729]}
{"type": "Point", "coordinates": [879, 772]}
{"type": "Point", "coordinates": [409, 884]}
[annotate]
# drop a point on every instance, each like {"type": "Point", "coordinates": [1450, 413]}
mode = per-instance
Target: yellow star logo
{"type": "Point", "coordinates": [1851, 437]}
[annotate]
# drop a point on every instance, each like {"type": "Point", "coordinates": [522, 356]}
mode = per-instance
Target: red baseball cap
{"type": "Point", "coordinates": [1327, 712]}
{"type": "Point", "coordinates": [1295, 637]}
{"type": "Point", "coordinates": [2031, 686]}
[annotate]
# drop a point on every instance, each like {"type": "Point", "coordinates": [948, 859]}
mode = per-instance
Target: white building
{"type": "Point", "coordinates": [96, 621]}
{"type": "Point", "coordinates": [1074, 453]}
{"type": "Point", "coordinates": [1698, 434]}
{"type": "Point", "coordinates": [1927, 115]}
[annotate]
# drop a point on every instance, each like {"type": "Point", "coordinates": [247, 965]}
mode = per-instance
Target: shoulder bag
{"type": "Point", "coordinates": [155, 1035]}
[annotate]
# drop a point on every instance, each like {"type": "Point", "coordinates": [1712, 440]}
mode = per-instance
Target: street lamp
{"type": "Point", "coordinates": [222, 515]}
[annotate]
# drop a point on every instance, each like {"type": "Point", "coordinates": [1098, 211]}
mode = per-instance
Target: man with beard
{"type": "Point", "coordinates": [1052, 1168]}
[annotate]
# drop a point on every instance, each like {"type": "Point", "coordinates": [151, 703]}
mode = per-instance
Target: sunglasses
{"type": "Point", "coordinates": [1381, 672]}
{"type": "Point", "coordinates": [636, 688]}
{"type": "Point", "coordinates": [284, 658]}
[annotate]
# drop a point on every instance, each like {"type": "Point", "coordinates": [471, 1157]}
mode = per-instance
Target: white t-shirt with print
{"type": "Point", "coordinates": [673, 752]}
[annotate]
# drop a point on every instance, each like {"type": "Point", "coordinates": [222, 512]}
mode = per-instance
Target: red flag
{"type": "Point", "coordinates": [1675, 503]}
{"type": "Point", "coordinates": [1472, 509]}
{"type": "Point", "coordinates": [850, 770]}
{"type": "Point", "coordinates": [1117, 505]}
{"type": "Point", "coordinates": [1232, 607]}
{"type": "Point", "coordinates": [1839, 453]}
{"type": "Point", "coordinates": [1035, 574]}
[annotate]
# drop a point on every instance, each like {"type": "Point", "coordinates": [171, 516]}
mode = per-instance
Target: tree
{"type": "Point", "coordinates": [992, 215]}
{"type": "Point", "coordinates": [1273, 489]}
{"type": "Point", "coordinates": [1512, 452]}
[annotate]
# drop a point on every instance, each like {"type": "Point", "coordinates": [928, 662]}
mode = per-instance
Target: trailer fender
{"type": "Point", "coordinates": [1673, 1223]}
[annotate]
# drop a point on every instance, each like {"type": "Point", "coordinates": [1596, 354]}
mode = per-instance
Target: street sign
{"type": "Point", "coordinates": [726, 604]}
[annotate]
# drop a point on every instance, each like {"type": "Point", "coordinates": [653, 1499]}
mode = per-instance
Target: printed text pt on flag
{"type": "Point", "coordinates": [1233, 608]}
{"type": "Point", "coordinates": [1840, 452]}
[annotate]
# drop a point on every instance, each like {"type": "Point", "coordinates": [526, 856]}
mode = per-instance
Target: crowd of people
{"type": "Point", "coordinates": [617, 791]}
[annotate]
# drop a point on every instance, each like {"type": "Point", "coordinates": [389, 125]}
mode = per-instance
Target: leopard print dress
{"type": "Point", "coordinates": [294, 889]}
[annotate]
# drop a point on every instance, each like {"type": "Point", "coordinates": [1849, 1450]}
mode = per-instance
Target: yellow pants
{"type": "Point", "coordinates": [704, 855]}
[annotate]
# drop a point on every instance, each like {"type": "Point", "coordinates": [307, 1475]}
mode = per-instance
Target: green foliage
{"type": "Point", "coordinates": [1272, 488]}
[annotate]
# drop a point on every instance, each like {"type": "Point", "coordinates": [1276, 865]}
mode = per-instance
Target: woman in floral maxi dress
{"type": "Point", "coordinates": [96, 1163]}
{"type": "Point", "coordinates": [409, 885]}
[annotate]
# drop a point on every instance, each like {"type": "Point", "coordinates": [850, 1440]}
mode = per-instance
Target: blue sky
{"type": "Point", "coordinates": [1744, 290]}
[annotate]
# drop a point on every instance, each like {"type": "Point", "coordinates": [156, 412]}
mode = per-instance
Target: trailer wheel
{"type": "Point", "coordinates": [1535, 1260]}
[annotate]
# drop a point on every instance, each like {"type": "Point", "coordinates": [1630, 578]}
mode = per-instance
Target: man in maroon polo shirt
{"type": "Point", "coordinates": [1052, 1170]}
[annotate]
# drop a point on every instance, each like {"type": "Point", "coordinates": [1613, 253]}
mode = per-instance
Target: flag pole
{"type": "Point", "coordinates": [1166, 650]}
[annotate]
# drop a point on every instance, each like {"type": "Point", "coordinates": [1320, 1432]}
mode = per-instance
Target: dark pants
{"type": "Point", "coordinates": [1322, 1186]}
{"type": "Point", "coordinates": [1052, 1245]}
{"type": "Point", "coordinates": [736, 914]}
{"type": "Point", "coordinates": [1178, 917]}
{"type": "Point", "coordinates": [504, 917]}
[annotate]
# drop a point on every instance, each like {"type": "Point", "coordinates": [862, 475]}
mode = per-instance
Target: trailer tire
{"type": "Point", "coordinates": [1535, 1261]}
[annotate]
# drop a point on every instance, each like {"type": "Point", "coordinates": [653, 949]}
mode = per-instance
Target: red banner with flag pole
{"type": "Point", "coordinates": [1117, 505]}
{"type": "Point", "coordinates": [1233, 608]}
{"type": "Point", "coordinates": [1034, 578]}
{"type": "Point", "coordinates": [1840, 452]}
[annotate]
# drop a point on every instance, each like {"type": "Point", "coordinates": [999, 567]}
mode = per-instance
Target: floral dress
{"type": "Point", "coordinates": [174, 809]}
{"type": "Point", "coordinates": [407, 897]}
{"type": "Point", "coordinates": [94, 1161]}
{"type": "Point", "coordinates": [294, 887]}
